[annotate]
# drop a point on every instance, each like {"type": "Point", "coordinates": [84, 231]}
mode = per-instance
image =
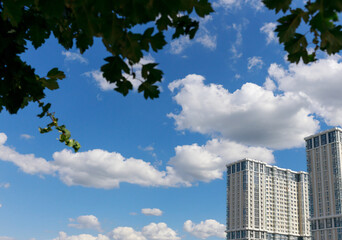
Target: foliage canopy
{"type": "Point", "coordinates": [80, 22]}
{"type": "Point", "coordinates": [115, 22]}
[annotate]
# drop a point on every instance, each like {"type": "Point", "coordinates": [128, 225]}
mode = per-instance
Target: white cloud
{"type": "Point", "coordinates": [102, 169]}
{"type": "Point", "coordinates": [74, 56]}
{"type": "Point", "coordinates": [0, 207]}
{"type": "Point", "coordinates": [5, 185]}
{"type": "Point", "coordinates": [208, 162]}
{"type": "Point", "coordinates": [237, 4]}
{"type": "Point", "coordinates": [235, 47]}
{"type": "Point", "coordinates": [126, 233]}
{"type": "Point", "coordinates": [319, 82]}
{"type": "Point", "coordinates": [94, 168]}
{"type": "Point", "coordinates": [227, 4]}
{"type": "Point", "coordinates": [153, 231]}
{"type": "Point", "coordinates": [268, 29]}
{"type": "Point", "coordinates": [26, 136]}
{"type": "Point", "coordinates": [178, 45]}
{"type": "Point", "coordinates": [28, 163]}
{"type": "Point", "coordinates": [256, 4]}
{"type": "Point", "coordinates": [152, 211]}
{"type": "Point", "coordinates": [64, 236]}
{"type": "Point", "coordinates": [207, 41]}
{"type": "Point", "coordinates": [255, 62]}
{"type": "Point", "coordinates": [237, 76]}
{"type": "Point", "coordinates": [102, 83]}
{"type": "Point", "coordinates": [251, 115]}
{"type": "Point", "coordinates": [159, 231]}
{"type": "Point", "coordinates": [86, 222]}
{"type": "Point", "coordinates": [208, 228]}
{"type": "Point", "coordinates": [269, 84]}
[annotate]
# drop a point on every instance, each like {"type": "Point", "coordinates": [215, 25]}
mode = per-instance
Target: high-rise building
{"type": "Point", "coordinates": [266, 202]}
{"type": "Point", "coordinates": [323, 152]}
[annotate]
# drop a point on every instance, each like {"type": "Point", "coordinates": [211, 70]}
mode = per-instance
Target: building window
{"type": "Point", "coordinates": [316, 141]}
{"type": "Point", "coordinates": [243, 166]}
{"type": "Point", "coordinates": [329, 223]}
{"type": "Point", "coordinates": [323, 139]}
{"type": "Point", "coordinates": [238, 167]}
{"type": "Point", "coordinates": [229, 170]}
{"type": "Point", "coordinates": [309, 144]}
{"type": "Point", "coordinates": [233, 168]}
{"type": "Point", "coordinates": [332, 136]}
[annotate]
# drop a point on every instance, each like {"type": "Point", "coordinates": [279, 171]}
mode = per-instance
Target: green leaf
{"type": "Point", "coordinates": [38, 32]}
{"type": "Point", "coordinates": [123, 87]}
{"type": "Point", "coordinates": [51, 84]}
{"type": "Point", "coordinates": [113, 72]}
{"type": "Point", "coordinates": [163, 22]}
{"type": "Point", "coordinates": [296, 48]}
{"type": "Point", "coordinates": [278, 5]}
{"type": "Point", "coordinates": [289, 24]}
{"type": "Point", "coordinates": [45, 109]}
{"type": "Point", "coordinates": [150, 91]}
{"type": "Point", "coordinates": [55, 74]}
{"type": "Point", "coordinates": [44, 130]}
{"type": "Point", "coordinates": [332, 40]}
{"type": "Point", "coordinates": [13, 11]}
{"type": "Point", "coordinates": [321, 23]}
{"type": "Point", "coordinates": [146, 68]}
{"type": "Point", "coordinates": [158, 41]}
{"type": "Point", "coordinates": [203, 8]}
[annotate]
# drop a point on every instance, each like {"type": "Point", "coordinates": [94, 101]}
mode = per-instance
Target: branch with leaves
{"type": "Point", "coordinates": [124, 27]}
{"type": "Point", "coordinates": [320, 17]}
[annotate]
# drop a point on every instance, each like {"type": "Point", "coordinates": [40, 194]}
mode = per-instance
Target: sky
{"type": "Point", "coordinates": [155, 169]}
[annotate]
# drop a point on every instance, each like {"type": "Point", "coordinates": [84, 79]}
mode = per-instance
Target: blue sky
{"type": "Point", "coordinates": [151, 170]}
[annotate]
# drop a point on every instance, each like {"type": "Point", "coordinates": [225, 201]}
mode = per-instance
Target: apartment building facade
{"type": "Point", "coordinates": [323, 152]}
{"type": "Point", "coordinates": [266, 202]}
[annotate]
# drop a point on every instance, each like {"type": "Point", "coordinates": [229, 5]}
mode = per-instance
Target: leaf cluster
{"type": "Point", "coordinates": [320, 16]}
{"type": "Point", "coordinates": [79, 22]}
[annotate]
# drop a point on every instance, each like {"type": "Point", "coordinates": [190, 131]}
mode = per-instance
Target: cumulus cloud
{"type": "Point", "coordinates": [251, 115]}
{"type": "Point", "coordinates": [126, 233]}
{"type": "Point", "coordinates": [255, 62]}
{"type": "Point", "coordinates": [26, 136]}
{"type": "Point", "coordinates": [207, 162]}
{"type": "Point", "coordinates": [64, 236]}
{"type": "Point", "coordinates": [102, 169]}
{"type": "Point", "coordinates": [268, 29]}
{"type": "Point", "coordinates": [86, 222]}
{"type": "Point", "coordinates": [28, 163]}
{"type": "Point", "coordinates": [159, 231]}
{"type": "Point", "coordinates": [152, 211]}
{"type": "Point", "coordinates": [208, 228]}
{"type": "Point", "coordinates": [104, 85]}
{"type": "Point", "coordinates": [153, 231]}
{"type": "Point", "coordinates": [319, 82]}
{"type": "Point", "coordinates": [74, 56]}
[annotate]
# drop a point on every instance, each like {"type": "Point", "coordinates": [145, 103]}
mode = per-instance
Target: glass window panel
{"type": "Point", "coordinates": [316, 141]}
{"type": "Point", "coordinates": [323, 139]}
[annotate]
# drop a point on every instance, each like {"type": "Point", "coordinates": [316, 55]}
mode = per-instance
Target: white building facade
{"type": "Point", "coordinates": [323, 151]}
{"type": "Point", "coordinates": [266, 202]}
